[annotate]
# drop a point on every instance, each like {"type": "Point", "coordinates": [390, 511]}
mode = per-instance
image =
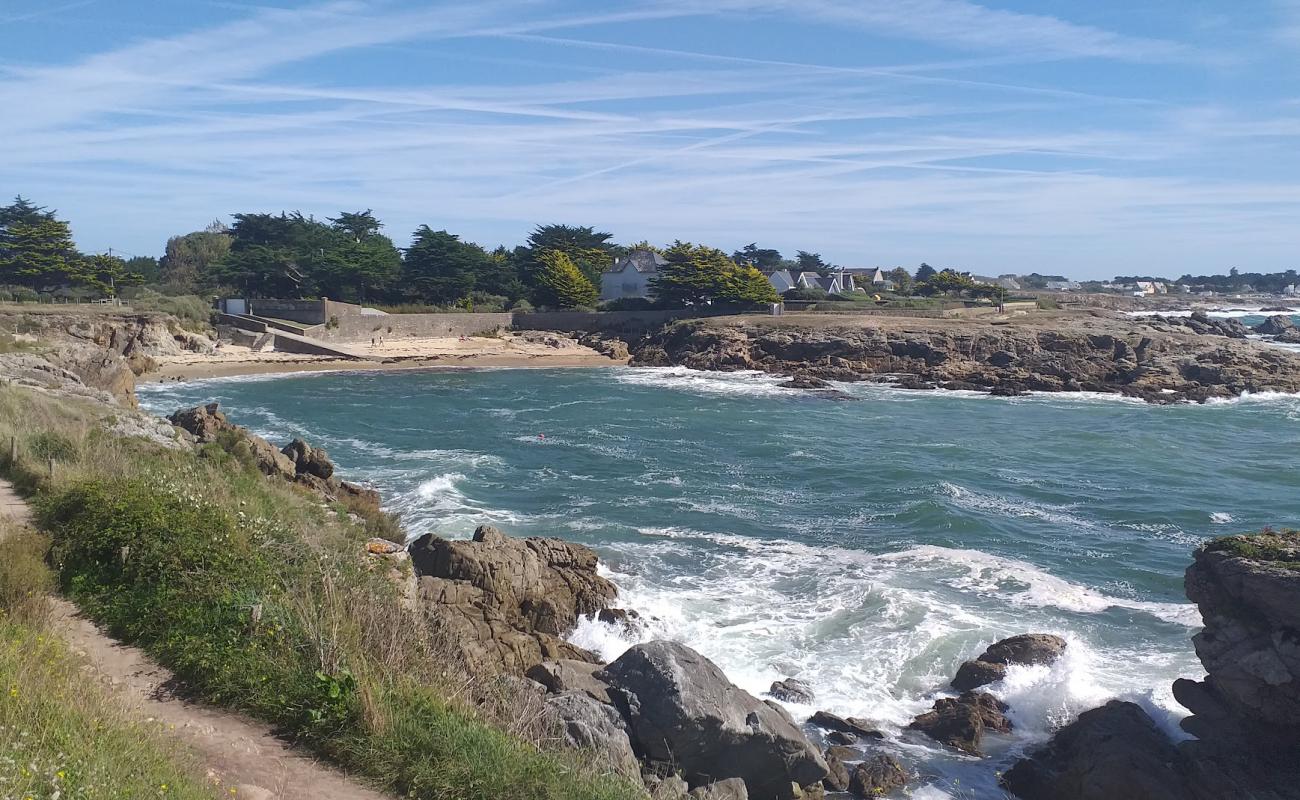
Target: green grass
{"type": "Point", "coordinates": [260, 599]}
{"type": "Point", "coordinates": [62, 734]}
{"type": "Point", "coordinates": [1281, 548]}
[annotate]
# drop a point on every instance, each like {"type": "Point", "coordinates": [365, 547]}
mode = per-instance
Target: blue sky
{"type": "Point", "coordinates": [1093, 139]}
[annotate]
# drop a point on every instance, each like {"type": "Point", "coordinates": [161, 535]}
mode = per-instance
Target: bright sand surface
{"type": "Point", "coordinates": [508, 350]}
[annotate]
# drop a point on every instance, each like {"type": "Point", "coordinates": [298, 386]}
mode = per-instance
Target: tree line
{"type": "Point", "coordinates": [348, 257]}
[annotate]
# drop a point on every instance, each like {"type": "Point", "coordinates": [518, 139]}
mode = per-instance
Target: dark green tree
{"type": "Point", "coordinates": [699, 275]}
{"type": "Point", "coordinates": [924, 272]}
{"type": "Point", "coordinates": [754, 256]}
{"type": "Point", "coordinates": [562, 284]}
{"type": "Point", "coordinates": [589, 250]}
{"type": "Point", "coordinates": [38, 253]}
{"type": "Point", "coordinates": [902, 279]}
{"type": "Point", "coordinates": [441, 269]}
{"type": "Point", "coordinates": [809, 262]}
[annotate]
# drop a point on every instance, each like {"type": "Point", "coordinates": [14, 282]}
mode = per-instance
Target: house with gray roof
{"type": "Point", "coordinates": [630, 275]}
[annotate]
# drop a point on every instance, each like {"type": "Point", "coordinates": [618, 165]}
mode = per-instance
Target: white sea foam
{"type": "Point", "coordinates": [746, 383]}
{"type": "Point", "coordinates": [1220, 517]}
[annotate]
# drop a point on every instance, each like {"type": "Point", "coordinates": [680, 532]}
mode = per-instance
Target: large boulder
{"type": "Point", "coordinates": [682, 710]}
{"type": "Point", "coordinates": [207, 424]}
{"type": "Point", "coordinates": [1274, 325]}
{"type": "Point", "coordinates": [876, 776]}
{"type": "Point", "coordinates": [961, 722]}
{"type": "Point", "coordinates": [308, 460]}
{"type": "Point", "coordinates": [506, 603]}
{"type": "Point", "coordinates": [591, 725]}
{"type": "Point", "coordinates": [1109, 752]}
{"type": "Point", "coordinates": [791, 690]}
{"type": "Point", "coordinates": [1026, 649]}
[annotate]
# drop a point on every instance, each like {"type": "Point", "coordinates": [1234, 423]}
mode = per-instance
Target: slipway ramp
{"type": "Point", "coordinates": [286, 342]}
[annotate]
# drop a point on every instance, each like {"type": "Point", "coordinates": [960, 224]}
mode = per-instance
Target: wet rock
{"type": "Point", "coordinates": [974, 674]}
{"type": "Point", "coordinates": [833, 722]}
{"type": "Point", "coordinates": [962, 721]}
{"type": "Point", "coordinates": [837, 774]}
{"type": "Point", "coordinates": [597, 727]}
{"type": "Point", "coordinates": [844, 752]}
{"type": "Point", "coordinates": [1274, 325]}
{"type": "Point", "coordinates": [1026, 649]}
{"type": "Point", "coordinates": [841, 737]}
{"type": "Point", "coordinates": [878, 775]}
{"type": "Point", "coordinates": [682, 709]}
{"type": "Point", "coordinates": [791, 690]}
{"type": "Point", "coordinates": [505, 602]}
{"type": "Point", "coordinates": [804, 381]}
{"type": "Point", "coordinates": [1109, 752]}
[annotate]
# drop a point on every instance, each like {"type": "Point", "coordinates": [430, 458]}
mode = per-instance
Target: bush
{"type": "Point", "coordinates": [628, 304]}
{"type": "Point", "coordinates": [1047, 304]}
{"type": "Point", "coordinates": [248, 614]}
{"type": "Point", "coordinates": [522, 306]}
{"type": "Point", "coordinates": [45, 445]}
{"type": "Point", "coordinates": [19, 294]}
{"type": "Point", "coordinates": [805, 294]}
{"type": "Point", "coordinates": [24, 579]}
{"type": "Point", "coordinates": [193, 311]}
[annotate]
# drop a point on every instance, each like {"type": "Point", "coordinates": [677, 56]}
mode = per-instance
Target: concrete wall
{"type": "Point", "coordinates": [308, 312]}
{"type": "Point", "coordinates": [358, 328]}
{"type": "Point", "coordinates": [611, 321]}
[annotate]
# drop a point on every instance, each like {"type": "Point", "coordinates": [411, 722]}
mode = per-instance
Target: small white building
{"type": "Point", "coordinates": [630, 275]}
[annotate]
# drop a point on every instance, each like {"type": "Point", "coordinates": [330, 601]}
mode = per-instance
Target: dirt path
{"type": "Point", "coordinates": [237, 751]}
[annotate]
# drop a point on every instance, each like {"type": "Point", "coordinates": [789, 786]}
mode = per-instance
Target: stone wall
{"type": "Point", "coordinates": [606, 321]}
{"type": "Point", "coordinates": [362, 328]}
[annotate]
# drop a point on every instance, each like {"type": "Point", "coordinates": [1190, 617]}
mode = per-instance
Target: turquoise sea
{"type": "Point", "coordinates": [866, 545]}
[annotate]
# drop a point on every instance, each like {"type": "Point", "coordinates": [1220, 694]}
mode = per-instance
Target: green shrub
{"type": "Point", "coordinates": [248, 614]}
{"type": "Point", "coordinates": [805, 294]}
{"type": "Point", "coordinates": [627, 304]}
{"type": "Point", "coordinates": [25, 580]}
{"type": "Point", "coordinates": [45, 445]}
{"type": "Point", "coordinates": [193, 312]}
{"type": "Point", "coordinates": [1047, 304]}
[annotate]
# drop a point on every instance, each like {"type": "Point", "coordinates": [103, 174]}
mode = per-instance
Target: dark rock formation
{"type": "Point", "coordinates": [842, 737]}
{"type": "Point", "coordinates": [1245, 714]}
{"type": "Point", "coordinates": [791, 690]}
{"type": "Point", "coordinates": [683, 711]}
{"type": "Point", "coordinates": [308, 460]}
{"type": "Point", "coordinates": [991, 666]}
{"type": "Point", "coordinates": [1161, 362]}
{"type": "Point", "coordinates": [976, 673]}
{"type": "Point", "coordinates": [1274, 325]}
{"type": "Point", "coordinates": [1202, 324]}
{"type": "Point", "coordinates": [729, 789]}
{"type": "Point", "coordinates": [507, 602]}
{"type": "Point", "coordinates": [837, 772]}
{"type": "Point", "coordinates": [804, 381]}
{"type": "Point", "coordinates": [1109, 752]}
{"type": "Point", "coordinates": [833, 722]}
{"type": "Point", "coordinates": [298, 461]}
{"type": "Point", "coordinates": [876, 776]}
{"type": "Point", "coordinates": [961, 722]}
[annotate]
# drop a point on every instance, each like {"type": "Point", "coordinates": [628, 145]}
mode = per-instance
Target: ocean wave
{"type": "Point", "coordinates": [746, 383]}
{"type": "Point", "coordinates": [976, 571]}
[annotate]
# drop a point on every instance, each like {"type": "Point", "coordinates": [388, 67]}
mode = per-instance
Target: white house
{"type": "Point", "coordinates": [630, 275]}
{"type": "Point", "coordinates": [838, 283]}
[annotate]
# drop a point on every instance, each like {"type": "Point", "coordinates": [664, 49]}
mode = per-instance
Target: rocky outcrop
{"type": "Point", "coordinates": [1245, 714]}
{"type": "Point", "coordinates": [1109, 752]}
{"type": "Point", "coordinates": [1274, 325]}
{"type": "Point", "coordinates": [683, 712]}
{"type": "Point", "coordinates": [851, 725]}
{"type": "Point", "coordinates": [505, 602]}
{"type": "Point", "coordinates": [298, 462]}
{"type": "Point", "coordinates": [1091, 351]}
{"type": "Point", "coordinates": [791, 690]}
{"type": "Point", "coordinates": [876, 776]}
{"type": "Point", "coordinates": [102, 351]}
{"type": "Point", "coordinates": [1201, 324]}
{"type": "Point", "coordinates": [961, 722]}
{"type": "Point", "coordinates": [1026, 649]}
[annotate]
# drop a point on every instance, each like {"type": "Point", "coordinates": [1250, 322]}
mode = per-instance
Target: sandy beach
{"type": "Point", "coordinates": [508, 350]}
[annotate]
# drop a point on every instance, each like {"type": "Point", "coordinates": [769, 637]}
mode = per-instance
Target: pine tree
{"type": "Point", "coordinates": [746, 285]}
{"type": "Point", "coordinates": [562, 284]}
{"type": "Point", "coordinates": [39, 253]}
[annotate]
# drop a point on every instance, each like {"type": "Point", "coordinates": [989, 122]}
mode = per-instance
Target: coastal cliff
{"type": "Point", "coordinates": [1051, 352]}
{"type": "Point", "coordinates": [1245, 713]}
{"type": "Point", "coordinates": [90, 353]}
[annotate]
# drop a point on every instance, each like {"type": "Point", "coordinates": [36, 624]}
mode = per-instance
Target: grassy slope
{"type": "Point", "coordinates": [62, 735]}
{"type": "Point", "coordinates": [258, 597]}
